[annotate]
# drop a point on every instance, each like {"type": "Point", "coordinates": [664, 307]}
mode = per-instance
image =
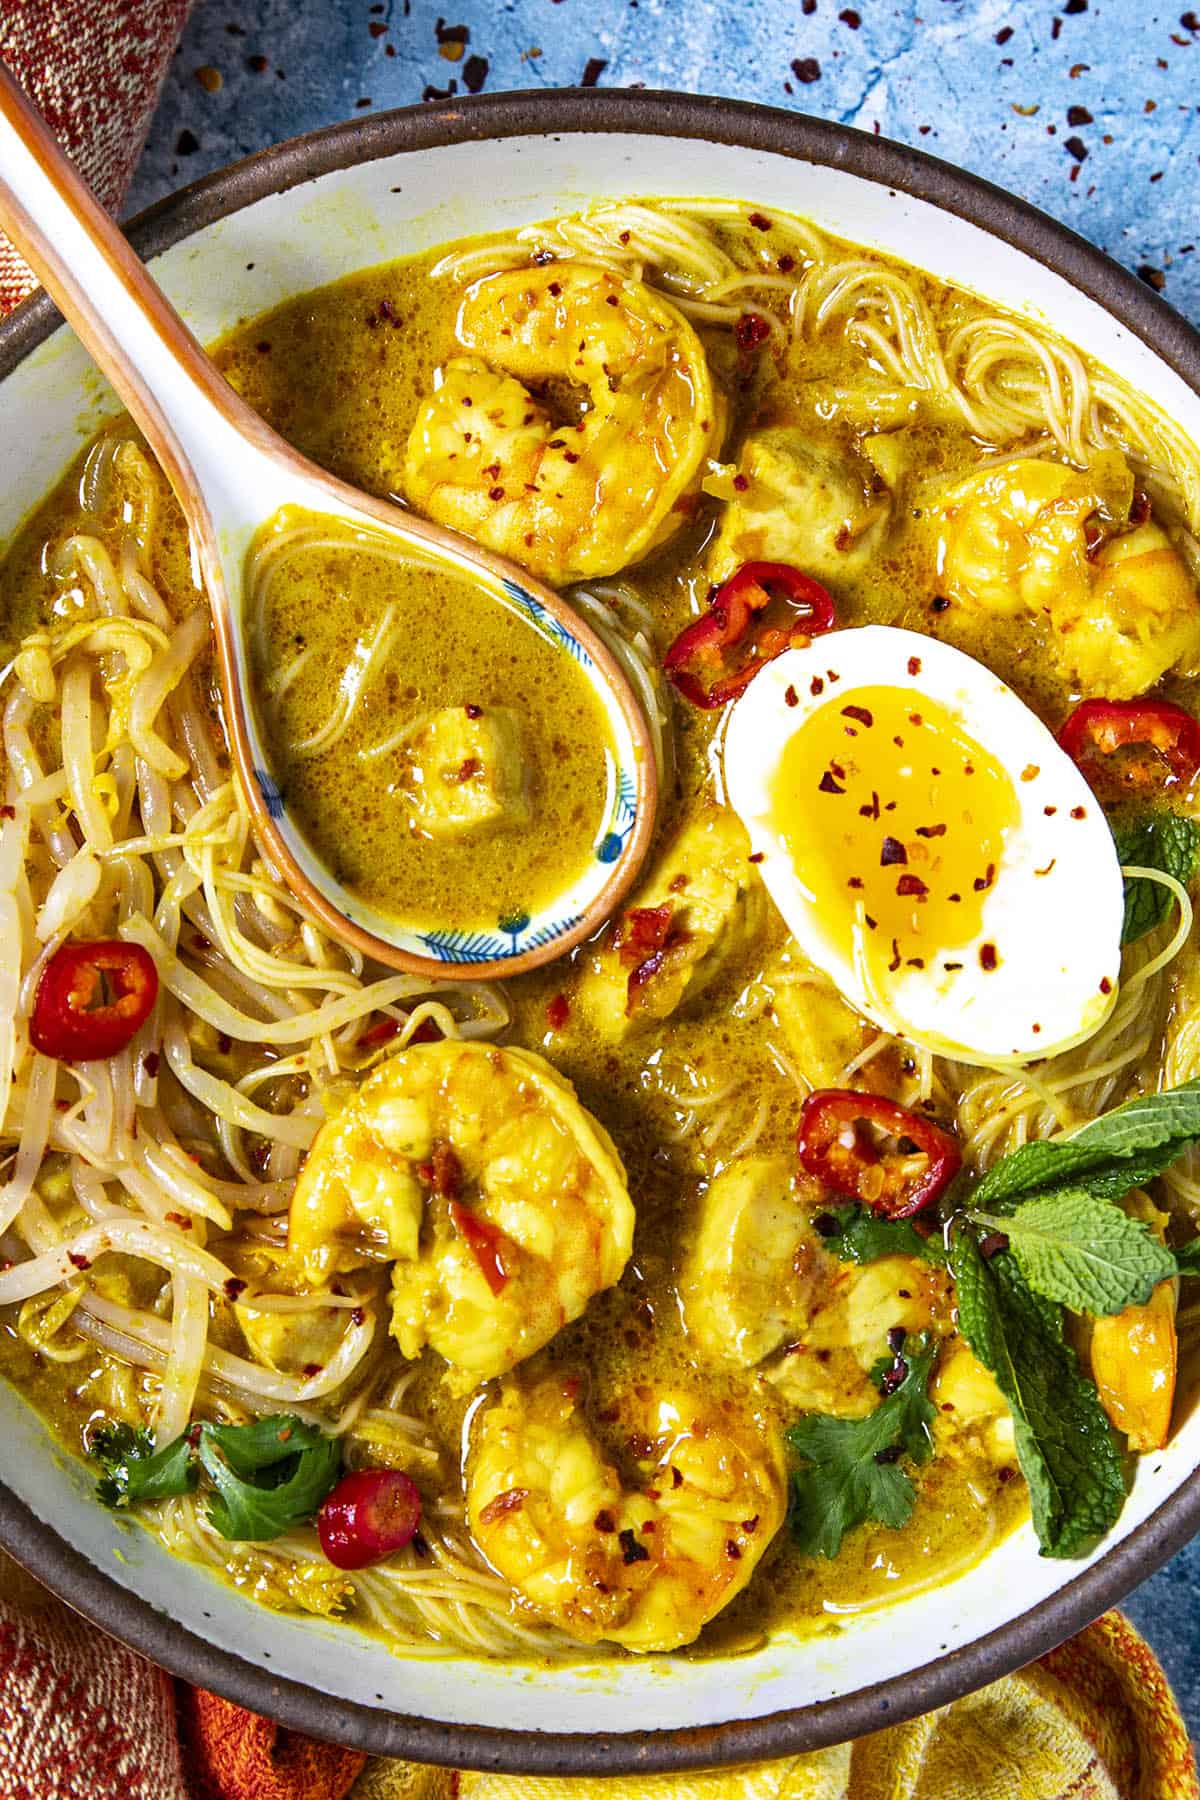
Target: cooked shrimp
{"type": "Point", "coordinates": [826, 1368]}
{"type": "Point", "coordinates": [701, 908]}
{"type": "Point", "coordinates": [590, 496]}
{"type": "Point", "coordinates": [1037, 537]}
{"type": "Point", "coordinates": [502, 1204]}
{"type": "Point", "coordinates": [646, 1566]}
{"type": "Point", "coordinates": [1134, 1357]}
{"type": "Point", "coordinates": [971, 1410]}
{"type": "Point", "coordinates": [791, 500]}
{"type": "Point", "coordinates": [749, 1276]}
{"type": "Point", "coordinates": [1134, 1354]}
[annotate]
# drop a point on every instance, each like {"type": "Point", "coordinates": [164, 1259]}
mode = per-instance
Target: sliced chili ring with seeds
{"type": "Point", "coordinates": [369, 1515]}
{"type": "Point", "coordinates": [876, 1151]}
{"type": "Point", "coordinates": [92, 999]}
{"type": "Point", "coordinates": [1100, 735]}
{"type": "Point", "coordinates": [715, 658]}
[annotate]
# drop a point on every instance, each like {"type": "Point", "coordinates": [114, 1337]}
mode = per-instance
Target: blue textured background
{"type": "Point", "coordinates": [1089, 110]}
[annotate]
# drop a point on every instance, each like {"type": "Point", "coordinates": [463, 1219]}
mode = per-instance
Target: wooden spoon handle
{"type": "Point", "coordinates": [125, 322]}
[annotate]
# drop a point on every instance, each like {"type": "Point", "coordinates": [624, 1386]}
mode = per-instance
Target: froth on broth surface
{"type": "Point", "coordinates": [446, 760]}
{"type": "Point", "coordinates": [546, 1248]}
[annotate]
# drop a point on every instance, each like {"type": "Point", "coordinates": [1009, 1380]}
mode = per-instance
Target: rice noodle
{"type": "Point", "coordinates": [138, 833]}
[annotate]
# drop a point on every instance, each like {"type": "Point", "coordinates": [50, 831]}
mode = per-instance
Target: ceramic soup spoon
{"type": "Point", "coordinates": [232, 475]}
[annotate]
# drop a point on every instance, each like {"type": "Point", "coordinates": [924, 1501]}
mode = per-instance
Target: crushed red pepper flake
{"type": "Point", "coordinates": [893, 851]}
{"type": "Point", "coordinates": [751, 331]}
{"type": "Point", "coordinates": [911, 887]}
{"type": "Point", "coordinates": [511, 1500]}
{"type": "Point", "coordinates": [931, 831]}
{"type": "Point", "coordinates": [558, 1011]}
{"type": "Point", "coordinates": [864, 716]}
{"type": "Point", "coordinates": [989, 958]}
{"type": "Point", "coordinates": [828, 785]}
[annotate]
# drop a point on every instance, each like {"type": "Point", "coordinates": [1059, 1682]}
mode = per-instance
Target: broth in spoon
{"type": "Point", "coordinates": [442, 755]}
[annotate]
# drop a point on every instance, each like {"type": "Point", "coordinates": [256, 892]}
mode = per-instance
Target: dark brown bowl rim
{"type": "Point", "coordinates": [949, 1675]}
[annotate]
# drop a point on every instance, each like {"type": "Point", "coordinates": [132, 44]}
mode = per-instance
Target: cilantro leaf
{"type": "Point", "coordinates": [1083, 1252]}
{"type": "Point", "coordinates": [1119, 1151]}
{"type": "Point", "coordinates": [268, 1475]}
{"type": "Point", "coordinates": [1065, 1445]}
{"type": "Point", "coordinates": [252, 1513]}
{"type": "Point", "coordinates": [859, 1236]}
{"type": "Point", "coordinates": [134, 1470]}
{"type": "Point", "coordinates": [1162, 840]}
{"type": "Point", "coordinates": [852, 1471]}
{"type": "Point", "coordinates": [263, 1443]}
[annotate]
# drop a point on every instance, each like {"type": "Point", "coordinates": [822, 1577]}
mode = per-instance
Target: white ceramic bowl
{"type": "Point", "coordinates": [308, 213]}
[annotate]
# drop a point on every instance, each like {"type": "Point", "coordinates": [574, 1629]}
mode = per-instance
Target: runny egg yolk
{"type": "Point", "coordinates": [895, 820]}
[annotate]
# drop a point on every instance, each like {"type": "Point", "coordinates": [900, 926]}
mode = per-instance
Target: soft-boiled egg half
{"type": "Point", "coordinates": [929, 845]}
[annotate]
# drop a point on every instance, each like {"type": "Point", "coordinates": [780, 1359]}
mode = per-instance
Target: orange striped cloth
{"type": "Point", "coordinates": [83, 1718]}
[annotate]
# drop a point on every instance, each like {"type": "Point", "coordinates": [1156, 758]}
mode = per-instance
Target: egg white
{"type": "Point", "coordinates": [1059, 932]}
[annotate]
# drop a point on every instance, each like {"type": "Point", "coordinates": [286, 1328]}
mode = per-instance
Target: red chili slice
{"type": "Point", "coordinates": [382, 1032]}
{"type": "Point", "coordinates": [91, 999]}
{"type": "Point", "coordinates": [1098, 729]}
{"type": "Point", "coordinates": [839, 1141]}
{"type": "Point", "coordinates": [368, 1515]}
{"type": "Point", "coordinates": [386, 1028]}
{"type": "Point", "coordinates": [714, 659]}
{"type": "Point", "coordinates": [485, 1242]}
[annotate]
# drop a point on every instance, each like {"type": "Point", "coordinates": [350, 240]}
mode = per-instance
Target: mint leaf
{"type": "Point", "coordinates": [135, 1471]}
{"type": "Point", "coordinates": [1163, 841]}
{"type": "Point", "coordinates": [252, 1513]}
{"type": "Point", "coordinates": [1083, 1252]}
{"type": "Point", "coordinates": [852, 1470]}
{"type": "Point", "coordinates": [1119, 1151]}
{"type": "Point", "coordinates": [1065, 1445]}
{"type": "Point", "coordinates": [859, 1237]}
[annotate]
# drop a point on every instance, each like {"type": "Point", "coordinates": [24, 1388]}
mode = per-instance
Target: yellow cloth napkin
{"type": "Point", "coordinates": [1094, 1720]}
